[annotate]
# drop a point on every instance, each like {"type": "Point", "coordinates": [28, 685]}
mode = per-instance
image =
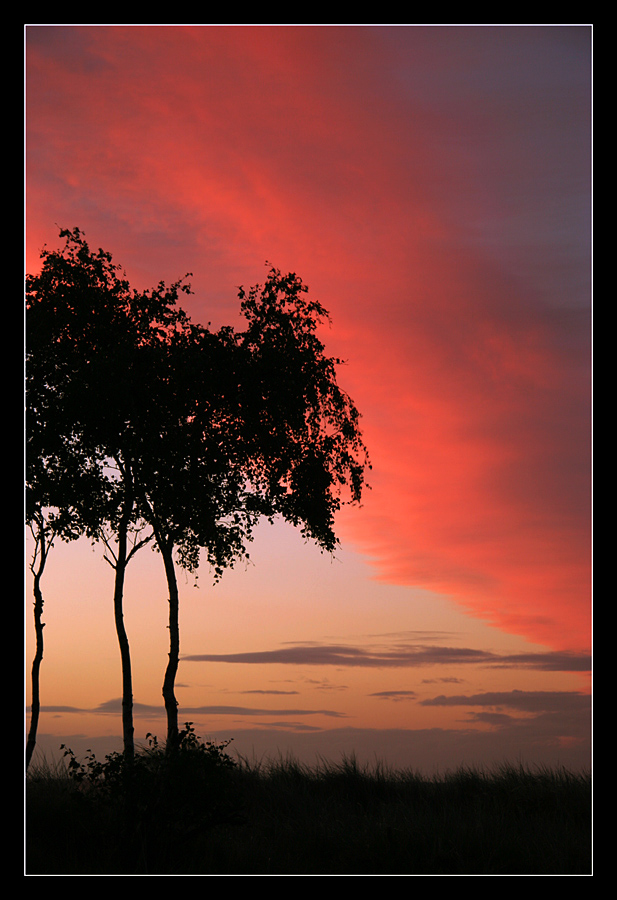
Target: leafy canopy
{"type": "Point", "coordinates": [208, 431]}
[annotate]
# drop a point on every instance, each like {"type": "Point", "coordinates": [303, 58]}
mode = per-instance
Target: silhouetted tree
{"type": "Point", "coordinates": [43, 536]}
{"type": "Point", "coordinates": [84, 330]}
{"type": "Point", "coordinates": [57, 472]}
{"type": "Point", "coordinates": [256, 426]}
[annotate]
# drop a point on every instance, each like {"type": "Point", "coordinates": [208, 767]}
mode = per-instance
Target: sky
{"type": "Point", "coordinates": [432, 187]}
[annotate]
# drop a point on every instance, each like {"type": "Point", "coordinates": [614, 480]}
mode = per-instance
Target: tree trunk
{"type": "Point", "coordinates": [171, 704]}
{"type": "Point", "coordinates": [38, 657]}
{"type": "Point", "coordinates": [125, 654]}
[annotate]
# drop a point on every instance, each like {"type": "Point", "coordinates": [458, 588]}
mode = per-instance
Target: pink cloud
{"type": "Point", "coordinates": [431, 190]}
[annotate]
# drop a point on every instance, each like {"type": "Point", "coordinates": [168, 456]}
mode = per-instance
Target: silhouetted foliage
{"type": "Point", "coordinates": [158, 801]}
{"type": "Point", "coordinates": [305, 441]}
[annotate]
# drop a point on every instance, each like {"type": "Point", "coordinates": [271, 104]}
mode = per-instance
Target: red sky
{"type": "Point", "coordinates": [432, 187]}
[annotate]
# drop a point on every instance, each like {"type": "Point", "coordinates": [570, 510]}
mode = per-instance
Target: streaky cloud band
{"type": "Point", "coordinates": [405, 656]}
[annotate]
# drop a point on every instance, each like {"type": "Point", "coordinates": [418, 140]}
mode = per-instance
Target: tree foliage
{"type": "Point", "coordinates": [305, 442]}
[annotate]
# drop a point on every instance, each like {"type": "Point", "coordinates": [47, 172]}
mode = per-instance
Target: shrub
{"type": "Point", "coordinates": [150, 807]}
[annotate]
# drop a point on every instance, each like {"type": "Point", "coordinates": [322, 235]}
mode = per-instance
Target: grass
{"type": "Point", "coordinates": [203, 815]}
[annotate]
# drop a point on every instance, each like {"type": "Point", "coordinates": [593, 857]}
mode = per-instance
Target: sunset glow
{"type": "Point", "coordinates": [431, 186]}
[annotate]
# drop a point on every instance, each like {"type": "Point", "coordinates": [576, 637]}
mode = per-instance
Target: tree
{"type": "Point", "coordinates": [84, 330]}
{"type": "Point", "coordinates": [43, 536]}
{"type": "Point", "coordinates": [56, 473]}
{"type": "Point", "coordinates": [256, 425]}
{"type": "Point", "coordinates": [125, 531]}
{"type": "Point", "coordinates": [51, 481]}
{"type": "Point", "coordinates": [47, 517]}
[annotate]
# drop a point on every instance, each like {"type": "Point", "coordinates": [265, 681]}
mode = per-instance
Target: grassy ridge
{"type": "Point", "coordinates": [283, 818]}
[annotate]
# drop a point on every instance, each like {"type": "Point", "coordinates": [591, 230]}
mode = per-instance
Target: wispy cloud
{"type": "Point", "coordinates": [398, 656]}
{"type": "Point", "coordinates": [394, 695]}
{"type": "Point", "coordinates": [495, 719]}
{"type": "Point", "coordinates": [114, 707]}
{"type": "Point", "coordinates": [549, 662]}
{"type": "Point", "coordinates": [284, 693]}
{"type": "Point", "coordinates": [525, 701]}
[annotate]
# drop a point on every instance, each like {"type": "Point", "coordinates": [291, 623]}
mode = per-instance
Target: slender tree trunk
{"type": "Point", "coordinates": [171, 704]}
{"type": "Point", "coordinates": [125, 654]}
{"type": "Point", "coordinates": [43, 549]}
